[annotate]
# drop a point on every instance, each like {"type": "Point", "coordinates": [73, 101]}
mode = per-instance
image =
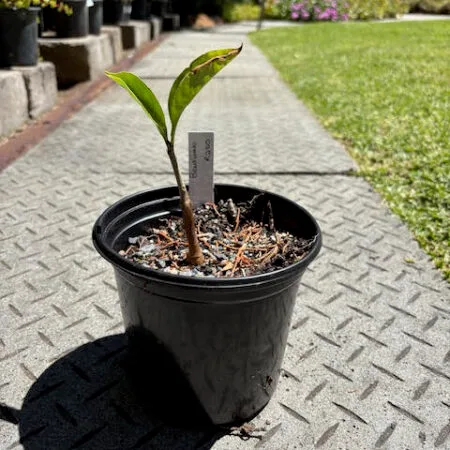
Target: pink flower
{"type": "Point", "coordinates": [333, 14]}
{"type": "Point", "coordinates": [294, 15]}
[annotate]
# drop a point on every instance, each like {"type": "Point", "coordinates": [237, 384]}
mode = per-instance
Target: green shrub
{"type": "Point", "coordinates": [276, 9]}
{"type": "Point", "coordinates": [234, 12]}
{"type": "Point", "coordinates": [376, 9]}
{"type": "Point", "coordinates": [430, 6]}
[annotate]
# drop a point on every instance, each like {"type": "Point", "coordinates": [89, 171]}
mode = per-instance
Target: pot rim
{"type": "Point", "coordinates": [136, 269]}
{"type": "Point", "coordinates": [33, 8]}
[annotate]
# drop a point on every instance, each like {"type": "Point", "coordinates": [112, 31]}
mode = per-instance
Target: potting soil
{"type": "Point", "coordinates": [237, 240]}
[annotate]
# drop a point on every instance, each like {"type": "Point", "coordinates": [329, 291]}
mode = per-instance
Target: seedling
{"type": "Point", "coordinates": [187, 85]}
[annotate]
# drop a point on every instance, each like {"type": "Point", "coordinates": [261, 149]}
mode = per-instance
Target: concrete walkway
{"type": "Point", "coordinates": [367, 363]}
{"type": "Point", "coordinates": [417, 17]}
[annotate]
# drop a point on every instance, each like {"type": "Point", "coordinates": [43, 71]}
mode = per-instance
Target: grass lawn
{"type": "Point", "coordinates": [384, 90]}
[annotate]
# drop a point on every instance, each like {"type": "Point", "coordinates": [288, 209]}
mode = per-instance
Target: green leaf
{"type": "Point", "coordinates": [193, 78]}
{"type": "Point", "coordinates": [144, 96]}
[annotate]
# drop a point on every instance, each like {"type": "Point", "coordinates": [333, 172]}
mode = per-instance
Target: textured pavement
{"type": "Point", "coordinates": [368, 359]}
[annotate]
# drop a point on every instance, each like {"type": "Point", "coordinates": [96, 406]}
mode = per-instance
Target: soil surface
{"type": "Point", "coordinates": [237, 240]}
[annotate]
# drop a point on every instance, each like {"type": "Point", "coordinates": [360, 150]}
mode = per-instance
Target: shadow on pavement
{"type": "Point", "coordinates": [85, 401]}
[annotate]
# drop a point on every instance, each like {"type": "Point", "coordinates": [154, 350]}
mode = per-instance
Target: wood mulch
{"type": "Point", "coordinates": [237, 241]}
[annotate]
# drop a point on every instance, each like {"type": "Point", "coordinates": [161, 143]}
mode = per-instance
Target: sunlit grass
{"type": "Point", "coordinates": [384, 90]}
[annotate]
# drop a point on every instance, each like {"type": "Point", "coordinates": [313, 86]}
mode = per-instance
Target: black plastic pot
{"type": "Point", "coordinates": [48, 19]}
{"type": "Point", "coordinates": [139, 10]}
{"type": "Point", "coordinates": [75, 25]}
{"type": "Point", "coordinates": [203, 349]}
{"type": "Point", "coordinates": [115, 12]}
{"type": "Point", "coordinates": [160, 7]}
{"type": "Point", "coordinates": [18, 37]}
{"type": "Point", "coordinates": [40, 23]}
{"type": "Point", "coordinates": [96, 17]}
{"type": "Point", "coordinates": [50, 16]}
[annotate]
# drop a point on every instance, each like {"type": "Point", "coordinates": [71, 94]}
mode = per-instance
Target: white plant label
{"type": "Point", "coordinates": [201, 167]}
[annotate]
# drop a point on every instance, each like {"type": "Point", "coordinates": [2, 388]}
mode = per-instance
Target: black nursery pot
{"type": "Point", "coordinates": [160, 7]}
{"type": "Point", "coordinates": [49, 19]}
{"type": "Point", "coordinates": [75, 25]}
{"type": "Point", "coordinates": [96, 17]}
{"type": "Point", "coordinates": [139, 10]}
{"type": "Point", "coordinates": [18, 37]}
{"type": "Point", "coordinates": [114, 12]}
{"type": "Point", "coordinates": [204, 349]}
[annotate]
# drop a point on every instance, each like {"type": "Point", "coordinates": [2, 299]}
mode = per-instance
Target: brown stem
{"type": "Point", "coordinates": [195, 255]}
